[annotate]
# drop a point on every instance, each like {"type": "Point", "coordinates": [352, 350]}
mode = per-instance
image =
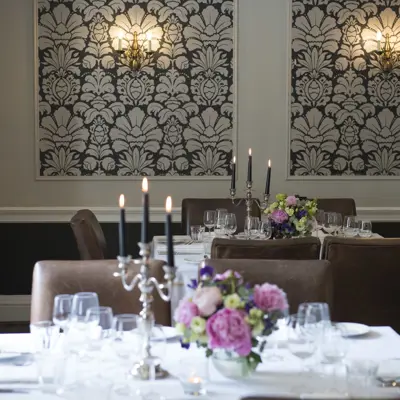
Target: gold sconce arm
{"type": "Point", "coordinates": [387, 56]}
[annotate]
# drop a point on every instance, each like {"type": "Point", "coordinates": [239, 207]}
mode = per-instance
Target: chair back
{"type": "Point", "coordinates": [193, 211]}
{"type": "Point", "coordinates": [303, 281]}
{"type": "Point", "coordinates": [89, 235]}
{"type": "Point", "coordinates": [342, 206]}
{"type": "Point", "coordinates": [366, 277]}
{"type": "Point", "coordinates": [307, 248]}
{"type": "Point", "coordinates": [69, 277]}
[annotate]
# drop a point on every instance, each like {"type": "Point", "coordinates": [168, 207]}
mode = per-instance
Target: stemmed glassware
{"type": "Point", "coordinates": [331, 223]}
{"type": "Point", "coordinates": [350, 226]}
{"type": "Point", "coordinates": [230, 224]}
{"type": "Point", "coordinates": [210, 219]}
{"type": "Point", "coordinates": [319, 220]}
{"type": "Point", "coordinates": [265, 229]}
{"type": "Point", "coordinates": [62, 310]}
{"type": "Point", "coordinates": [220, 224]}
{"type": "Point", "coordinates": [251, 227]}
{"type": "Point", "coordinates": [100, 323]}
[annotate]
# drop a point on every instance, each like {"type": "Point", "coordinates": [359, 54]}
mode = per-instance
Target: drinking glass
{"type": "Point", "coordinates": [62, 310]}
{"type": "Point", "coordinates": [300, 343]}
{"type": "Point", "coordinates": [361, 377]}
{"type": "Point", "coordinates": [350, 226]}
{"type": "Point", "coordinates": [320, 220]}
{"type": "Point", "coordinates": [210, 219]}
{"type": "Point", "coordinates": [51, 370]}
{"type": "Point", "coordinates": [251, 227]}
{"type": "Point", "coordinates": [100, 323]}
{"type": "Point", "coordinates": [220, 225]}
{"type": "Point", "coordinates": [319, 313]}
{"type": "Point", "coordinates": [230, 224]}
{"type": "Point", "coordinates": [365, 229]}
{"type": "Point", "coordinates": [81, 302]}
{"type": "Point", "coordinates": [207, 244]}
{"type": "Point", "coordinates": [195, 232]}
{"type": "Point", "coordinates": [339, 224]}
{"type": "Point", "coordinates": [330, 223]}
{"type": "Point", "coordinates": [192, 373]}
{"type": "Point", "coordinates": [44, 335]}
{"type": "Point", "coordinates": [333, 346]}
{"type": "Point", "coordinates": [265, 228]}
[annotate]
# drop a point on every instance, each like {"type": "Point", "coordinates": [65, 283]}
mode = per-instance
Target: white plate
{"type": "Point", "coordinates": [193, 260]}
{"type": "Point", "coordinates": [8, 356]}
{"type": "Point", "coordinates": [170, 333]}
{"type": "Point", "coordinates": [351, 329]}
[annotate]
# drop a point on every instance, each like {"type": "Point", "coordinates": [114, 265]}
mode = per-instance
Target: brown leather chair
{"type": "Point", "coordinates": [57, 277]}
{"type": "Point", "coordinates": [303, 281]}
{"type": "Point", "coordinates": [89, 235]}
{"type": "Point", "coordinates": [192, 211]}
{"type": "Point", "coordinates": [366, 276]}
{"type": "Point", "coordinates": [307, 248]}
{"type": "Point", "coordinates": [342, 206]}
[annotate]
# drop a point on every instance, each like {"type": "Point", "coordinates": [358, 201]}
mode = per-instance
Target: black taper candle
{"type": "Point", "coordinates": [233, 180]}
{"type": "Point", "coordinates": [268, 181]}
{"type": "Point", "coordinates": [122, 227]}
{"type": "Point", "coordinates": [250, 168]}
{"type": "Point", "coordinates": [145, 217]}
{"type": "Point", "coordinates": [168, 233]}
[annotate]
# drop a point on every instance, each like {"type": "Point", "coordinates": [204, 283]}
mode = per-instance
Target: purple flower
{"type": "Point", "coordinates": [185, 345]}
{"type": "Point", "coordinates": [193, 284]}
{"type": "Point", "coordinates": [185, 312]}
{"type": "Point", "coordinates": [227, 329]}
{"type": "Point", "coordinates": [206, 272]}
{"type": "Point", "coordinates": [301, 214]}
{"type": "Point", "coordinates": [279, 216]}
{"type": "Point", "coordinates": [270, 297]}
{"type": "Point", "coordinates": [228, 274]}
{"type": "Point", "coordinates": [291, 201]}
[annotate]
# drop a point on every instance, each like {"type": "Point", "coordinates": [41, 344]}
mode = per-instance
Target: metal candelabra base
{"type": "Point", "coordinates": [146, 284]}
{"type": "Point", "coordinates": [249, 199]}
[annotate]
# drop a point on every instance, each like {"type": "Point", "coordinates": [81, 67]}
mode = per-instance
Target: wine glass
{"type": "Point", "coordinates": [319, 220]}
{"type": "Point", "coordinates": [220, 225]}
{"type": "Point", "coordinates": [350, 226]}
{"type": "Point", "coordinates": [81, 302]}
{"type": "Point", "coordinates": [330, 223]}
{"type": "Point", "coordinates": [61, 310]}
{"type": "Point", "coordinates": [210, 219]}
{"type": "Point", "coordinates": [339, 226]}
{"type": "Point", "coordinates": [100, 323]}
{"type": "Point", "coordinates": [265, 228]}
{"type": "Point", "coordinates": [251, 226]}
{"type": "Point", "coordinates": [230, 224]}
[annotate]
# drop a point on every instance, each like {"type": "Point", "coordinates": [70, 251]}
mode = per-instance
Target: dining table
{"type": "Point", "coordinates": [280, 378]}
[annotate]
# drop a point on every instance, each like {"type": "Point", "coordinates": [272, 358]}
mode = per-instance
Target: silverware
{"type": "Point", "coordinates": [26, 391]}
{"type": "Point", "coordinates": [389, 382]}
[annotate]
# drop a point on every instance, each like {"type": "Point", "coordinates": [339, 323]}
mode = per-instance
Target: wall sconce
{"type": "Point", "coordinates": [135, 54]}
{"type": "Point", "coordinates": [387, 57]}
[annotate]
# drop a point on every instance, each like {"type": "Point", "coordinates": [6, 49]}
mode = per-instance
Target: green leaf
{"type": "Point", "coordinates": [262, 346]}
{"type": "Point", "coordinates": [209, 353]}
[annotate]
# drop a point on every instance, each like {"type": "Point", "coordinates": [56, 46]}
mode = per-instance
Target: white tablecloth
{"type": "Point", "coordinates": [381, 344]}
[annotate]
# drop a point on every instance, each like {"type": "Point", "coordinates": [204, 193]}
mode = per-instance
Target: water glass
{"type": "Point", "coordinates": [361, 377]}
{"type": "Point", "coordinates": [265, 229]}
{"type": "Point", "coordinates": [81, 302]}
{"type": "Point", "coordinates": [350, 226]}
{"type": "Point", "coordinates": [230, 224]}
{"type": "Point", "coordinates": [62, 310]}
{"type": "Point", "coordinates": [333, 346]}
{"type": "Point", "coordinates": [365, 229]}
{"type": "Point", "coordinates": [251, 227]}
{"type": "Point", "coordinates": [51, 369]}
{"type": "Point", "coordinates": [220, 224]}
{"type": "Point", "coordinates": [207, 244]}
{"type": "Point", "coordinates": [210, 219]}
{"type": "Point", "coordinates": [320, 315]}
{"type": "Point", "coordinates": [195, 232]}
{"type": "Point", "coordinates": [100, 324]}
{"type": "Point", "coordinates": [45, 335]}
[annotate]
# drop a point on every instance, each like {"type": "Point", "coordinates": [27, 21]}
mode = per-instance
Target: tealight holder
{"type": "Point", "coordinates": [193, 375]}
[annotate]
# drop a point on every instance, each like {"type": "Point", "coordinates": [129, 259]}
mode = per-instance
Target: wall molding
{"type": "Point", "coordinates": [134, 214]}
{"type": "Point", "coordinates": [15, 308]}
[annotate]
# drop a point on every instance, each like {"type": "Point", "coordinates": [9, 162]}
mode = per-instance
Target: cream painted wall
{"type": "Point", "coordinates": [263, 60]}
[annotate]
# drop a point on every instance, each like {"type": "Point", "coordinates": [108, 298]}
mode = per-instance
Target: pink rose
{"type": "Point", "coordinates": [185, 312]}
{"type": "Point", "coordinates": [207, 299]}
{"type": "Point", "coordinates": [269, 297]}
{"type": "Point", "coordinates": [279, 216]}
{"type": "Point", "coordinates": [227, 329]}
{"type": "Point", "coordinates": [291, 201]}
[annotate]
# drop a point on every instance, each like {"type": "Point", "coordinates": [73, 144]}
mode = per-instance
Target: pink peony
{"type": "Point", "coordinates": [291, 201]}
{"type": "Point", "coordinates": [185, 312]}
{"type": "Point", "coordinates": [227, 274]}
{"type": "Point", "coordinates": [279, 216]}
{"type": "Point", "coordinates": [207, 299]}
{"type": "Point", "coordinates": [227, 329]}
{"type": "Point", "coordinates": [270, 297]}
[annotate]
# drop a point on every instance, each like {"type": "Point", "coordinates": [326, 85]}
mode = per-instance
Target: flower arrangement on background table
{"type": "Point", "coordinates": [291, 217]}
{"type": "Point", "coordinates": [227, 314]}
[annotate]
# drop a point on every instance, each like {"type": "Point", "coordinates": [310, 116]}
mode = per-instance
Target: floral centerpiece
{"type": "Point", "coordinates": [291, 216]}
{"type": "Point", "coordinates": [224, 314]}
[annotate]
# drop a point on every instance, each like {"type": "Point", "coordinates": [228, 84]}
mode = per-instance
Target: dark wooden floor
{"type": "Point", "coordinates": [14, 327]}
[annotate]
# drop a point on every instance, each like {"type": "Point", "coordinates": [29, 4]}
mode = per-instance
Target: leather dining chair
{"type": "Point", "coordinates": [69, 277]}
{"type": "Point", "coordinates": [89, 235]}
{"type": "Point", "coordinates": [307, 248]}
{"type": "Point", "coordinates": [303, 281]}
{"type": "Point", "coordinates": [366, 277]}
{"type": "Point", "coordinates": [192, 211]}
{"type": "Point", "coordinates": [344, 206]}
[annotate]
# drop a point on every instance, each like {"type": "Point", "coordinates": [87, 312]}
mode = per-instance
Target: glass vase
{"type": "Point", "coordinates": [231, 365]}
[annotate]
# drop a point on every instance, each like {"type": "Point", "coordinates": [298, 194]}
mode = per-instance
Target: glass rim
{"type": "Point", "coordinates": [85, 294]}
{"type": "Point", "coordinates": [63, 296]}
{"type": "Point", "coordinates": [126, 316]}
{"type": "Point", "coordinates": [99, 309]}
{"type": "Point", "coordinates": [42, 324]}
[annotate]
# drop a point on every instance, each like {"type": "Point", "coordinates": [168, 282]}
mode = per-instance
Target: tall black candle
{"type": "Point", "coordinates": [168, 233]}
{"type": "Point", "coordinates": [122, 227]}
{"type": "Point", "coordinates": [249, 168]}
{"type": "Point", "coordinates": [268, 181]}
{"type": "Point", "coordinates": [233, 180]}
{"type": "Point", "coordinates": [145, 220]}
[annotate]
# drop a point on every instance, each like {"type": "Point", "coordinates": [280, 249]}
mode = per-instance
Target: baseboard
{"type": "Point", "coordinates": [15, 308]}
{"type": "Point", "coordinates": [134, 214]}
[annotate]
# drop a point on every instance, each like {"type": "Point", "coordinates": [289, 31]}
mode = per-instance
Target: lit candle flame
{"type": "Point", "coordinates": [249, 152]}
{"type": "Point", "coordinates": [269, 163]}
{"type": "Point", "coordinates": [379, 35]}
{"type": "Point", "coordinates": [149, 35]}
{"type": "Point", "coordinates": [121, 35]}
{"type": "Point", "coordinates": [145, 185]}
{"type": "Point", "coordinates": [168, 204]}
{"type": "Point", "coordinates": [121, 201]}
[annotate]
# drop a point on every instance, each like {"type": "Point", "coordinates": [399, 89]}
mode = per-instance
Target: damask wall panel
{"type": "Point", "coordinates": [345, 112]}
{"type": "Point", "coordinates": [98, 117]}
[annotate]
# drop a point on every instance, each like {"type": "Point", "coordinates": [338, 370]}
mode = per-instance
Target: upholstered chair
{"type": "Point", "coordinates": [58, 277]}
{"type": "Point", "coordinates": [193, 211]}
{"type": "Point", "coordinates": [366, 275]}
{"type": "Point", "coordinates": [342, 206]}
{"type": "Point", "coordinates": [307, 248]}
{"type": "Point", "coordinates": [89, 235]}
{"type": "Point", "coordinates": [303, 280]}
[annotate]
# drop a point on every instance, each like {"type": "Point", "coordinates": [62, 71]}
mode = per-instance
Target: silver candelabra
{"type": "Point", "coordinates": [249, 199]}
{"type": "Point", "coordinates": [146, 285]}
